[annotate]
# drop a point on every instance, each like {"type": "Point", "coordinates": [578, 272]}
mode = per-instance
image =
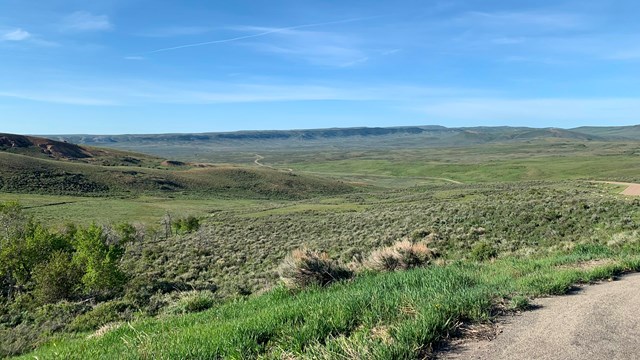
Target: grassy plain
{"type": "Point", "coordinates": [529, 204]}
{"type": "Point", "coordinates": [148, 210]}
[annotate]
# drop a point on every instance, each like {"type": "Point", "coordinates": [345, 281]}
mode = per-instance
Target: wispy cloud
{"type": "Point", "coordinates": [57, 98]}
{"type": "Point", "coordinates": [15, 35]}
{"type": "Point", "coordinates": [86, 21]}
{"type": "Point", "coordinates": [537, 21]}
{"type": "Point", "coordinates": [266, 32]}
{"type": "Point", "coordinates": [175, 31]}
{"type": "Point", "coordinates": [314, 47]}
{"type": "Point", "coordinates": [134, 92]}
{"type": "Point", "coordinates": [215, 93]}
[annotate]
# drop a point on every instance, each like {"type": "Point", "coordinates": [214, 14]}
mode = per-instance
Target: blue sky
{"type": "Point", "coordinates": [138, 66]}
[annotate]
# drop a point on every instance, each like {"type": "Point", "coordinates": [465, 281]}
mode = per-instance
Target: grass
{"type": "Point", "coordinates": [387, 316]}
{"type": "Point", "coordinates": [149, 210]}
{"type": "Point", "coordinates": [520, 209]}
{"type": "Point", "coordinates": [535, 168]}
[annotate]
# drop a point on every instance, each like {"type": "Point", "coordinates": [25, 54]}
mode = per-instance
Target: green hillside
{"type": "Point", "coordinates": [37, 165]}
{"type": "Point", "coordinates": [613, 132]}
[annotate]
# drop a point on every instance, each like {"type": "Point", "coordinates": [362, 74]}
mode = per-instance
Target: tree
{"type": "Point", "coordinates": [57, 279]}
{"type": "Point", "coordinates": [102, 275]}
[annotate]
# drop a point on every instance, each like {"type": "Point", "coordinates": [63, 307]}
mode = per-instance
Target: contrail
{"type": "Point", "coordinates": [259, 34]}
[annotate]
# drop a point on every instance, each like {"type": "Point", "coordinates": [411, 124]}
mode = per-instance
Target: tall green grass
{"type": "Point", "coordinates": [380, 316]}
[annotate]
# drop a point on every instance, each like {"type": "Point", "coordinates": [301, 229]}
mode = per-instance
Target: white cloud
{"type": "Point", "coordinates": [315, 47]}
{"type": "Point", "coordinates": [57, 98]}
{"type": "Point", "coordinates": [15, 35]}
{"type": "Point", "coordinates": [85, 21]}
{"type": "Point", "coordinates": [320, 48]}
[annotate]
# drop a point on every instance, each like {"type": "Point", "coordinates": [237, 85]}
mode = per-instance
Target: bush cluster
{"type": "Point", "coordinates": [304, 267]}
{"type": "Point", "coordinates": [402, 255]}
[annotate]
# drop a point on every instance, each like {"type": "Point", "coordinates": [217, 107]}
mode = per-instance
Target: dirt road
{"type": "Point", "coordinates": [631, 190]}
{"type": "Point", "coordinates": [599, 322]}
{"type": "Point", "coordinates": [259, 158]}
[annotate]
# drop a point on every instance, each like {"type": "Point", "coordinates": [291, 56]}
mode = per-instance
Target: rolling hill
{"type": "Point", "coordinates": [40, 165]}
{"type": "Point", "coordinates": [612, 132]}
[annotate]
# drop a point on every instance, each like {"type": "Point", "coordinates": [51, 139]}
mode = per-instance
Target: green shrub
{"type": "Point", "coordinates": [57, 279]}
{"type": "Point", "coordinates": [519, 303]}
{"type": "Point", "coordinates": [193, 301]}
{"type": "Point", "coordinates": [186, 225]}
{"type": "Point", "coordinates": [304, 267]}
{"type": "Point", "coordinates": [102, 314]}
{"type": "Point", "coordinates": [483, 250]}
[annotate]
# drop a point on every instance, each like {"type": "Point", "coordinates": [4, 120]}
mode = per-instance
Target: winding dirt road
{"type": "Point", "coordinates": [259, 158]}
{"type": "Point", "coordinates": [599, 322]}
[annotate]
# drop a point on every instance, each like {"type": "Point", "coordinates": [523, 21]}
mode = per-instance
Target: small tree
{"type": "Point", "coordinates": [186, 225]}
{"type": "Point", "coordinates": [57, 279]}
{"type": "Point", "coordinates": [102, 274]}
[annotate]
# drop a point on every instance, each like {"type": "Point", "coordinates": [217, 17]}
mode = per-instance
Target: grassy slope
{"type": "Point", "coordinates": [243, 247]}
{"type": "Point", "coordinates": [388, 316]}
{"type": "Point", "coordinates": [626, 132]}
{"type": "Point", "coordinates": [20, 173]}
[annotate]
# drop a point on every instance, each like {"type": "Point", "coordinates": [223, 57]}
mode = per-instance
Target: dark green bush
{"type": "Point", "coordinates": [102, 314]}
{"type": "Point", "coordinates": [186, 225]}
{"type": "Point", "coordinates": [57, 279]}
{"type": "Point", "coordinates": [483, 250]}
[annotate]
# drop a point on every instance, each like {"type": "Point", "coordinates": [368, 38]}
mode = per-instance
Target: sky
{"type": "Point", "coordinates": [141, 66]}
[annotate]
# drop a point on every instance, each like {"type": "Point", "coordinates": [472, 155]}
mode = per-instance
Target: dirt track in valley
{"type": "Point", "coordinates": [631, 189]}
{"type": "Point", "coordinates": [597, 322]}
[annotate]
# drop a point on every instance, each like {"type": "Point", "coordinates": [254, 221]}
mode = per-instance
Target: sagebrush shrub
{"type": "Point", "coordinates": [400, 256]}
{"type": "Point", "coordinates": [304, 267]}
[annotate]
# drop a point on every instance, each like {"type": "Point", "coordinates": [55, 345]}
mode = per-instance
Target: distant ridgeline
{"type": "Point", "coordinates": [431, 135]}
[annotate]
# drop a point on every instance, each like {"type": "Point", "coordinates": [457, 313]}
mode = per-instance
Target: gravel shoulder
{"type": "Point", "coordinates": [600, 321]}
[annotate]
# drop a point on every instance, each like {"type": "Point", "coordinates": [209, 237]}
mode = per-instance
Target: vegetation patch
{"type": "Point", "coordinates": [387, 316]}
{"type": "Point", "coordinates": [304, 267]}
